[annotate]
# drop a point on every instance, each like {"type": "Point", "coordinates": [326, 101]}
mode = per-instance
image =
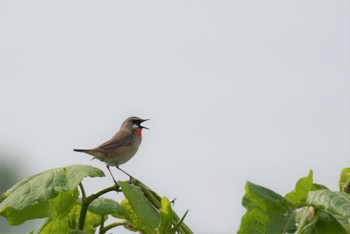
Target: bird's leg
{"type": "Point", "coordinates": [130, 176]}
{"type": "Point", "coordinates": [112, 175]}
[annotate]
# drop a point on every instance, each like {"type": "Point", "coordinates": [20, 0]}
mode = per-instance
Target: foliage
{"type": "Point", "coordinates": [309, 208]}
{"type": "Point", "coordinates": [54, 195]}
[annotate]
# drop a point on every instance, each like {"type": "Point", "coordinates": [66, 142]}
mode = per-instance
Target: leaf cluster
{"type": "Point", "coordinates": [55, 196]}
{"type": "Point", "coordinates": [309, 208]}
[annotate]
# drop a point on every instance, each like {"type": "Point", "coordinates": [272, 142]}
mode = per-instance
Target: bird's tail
{"type": "Point", "coordinates": [92, 152]}
{"type": "Point", "coordinates": [81, 150]}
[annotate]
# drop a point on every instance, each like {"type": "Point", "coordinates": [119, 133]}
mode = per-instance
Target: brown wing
{"type": "Point", "coordinates": [121, 138]}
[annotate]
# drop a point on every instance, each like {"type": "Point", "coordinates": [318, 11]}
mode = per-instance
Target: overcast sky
{"type": "Point", "coordinates": [235, 90]}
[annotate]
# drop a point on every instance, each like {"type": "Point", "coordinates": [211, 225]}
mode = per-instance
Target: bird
{"type": "Point", "coordinates": [121, 147]}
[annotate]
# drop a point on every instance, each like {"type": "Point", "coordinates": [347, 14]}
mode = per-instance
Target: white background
{"type": "Point", "coordinates": [235, 90]}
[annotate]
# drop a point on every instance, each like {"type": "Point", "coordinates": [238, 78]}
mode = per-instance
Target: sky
{"type": "Point", "coordinates": [236, 91]}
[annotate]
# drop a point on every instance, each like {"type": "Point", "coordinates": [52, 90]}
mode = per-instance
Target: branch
{"type": "Point", "coordinates": [85, 202]}
{"type": "Point", "coordinates": [112, 225]}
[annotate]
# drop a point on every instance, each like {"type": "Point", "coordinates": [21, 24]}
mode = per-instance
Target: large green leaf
{"type": "Point", "coordinates": [136, 222]}
{"type": "Point", "coordinates": [303, 186]}
{"type": "Point", "coordinates": [148, 214]}
{"type": "Point", "coordinates": [47, 194]}
{"type": "Point", "coordinates": [267, 211]}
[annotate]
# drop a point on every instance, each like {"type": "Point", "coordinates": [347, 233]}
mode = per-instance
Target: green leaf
{"type": "Point", "coordinates": [68, 223]}
{"type": "Point", "coordinates": [47, 194]}
{"type": "Point", "coordinates": [267, 211]}
{"type": "Point", "coordinates": [166, 213]}
{"type": "Point", "coordinates": [344, 177]}
{"type": "Point", "coordinates": [106, 206]}
{"type": "Point", "coordinates": [147, 213]}
{"type": "Point", "coordinates": [334, 202]}
{"type": "Point", "coordinates": [134, 219]}
{"type": "Point", "coordinates": [76, 173]}
{"type": "Point", "coordinates": [178, 225]}
{"type": "Point", "coordinates": [303, 186]}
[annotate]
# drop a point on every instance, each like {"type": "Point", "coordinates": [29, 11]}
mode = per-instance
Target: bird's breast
{"type": "Point", "coordinates": [122, 154]}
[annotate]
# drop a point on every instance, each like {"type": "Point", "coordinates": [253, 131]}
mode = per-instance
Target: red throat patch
{"type": "Point", "coordinates": [139, 132]}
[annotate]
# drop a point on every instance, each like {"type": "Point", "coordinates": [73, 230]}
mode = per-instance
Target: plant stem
{"type": "Point", "coordinates": [101, 192]}
{"type": "Point", "coordinates": [102, 224]}
{"type": "Point", "coordinates": [110, 226]}
{"type": "Point", "coordinates": [83, 194]}
{"type": "Point", "coordinates": [83, 209]}
{"type": "Point", "coordinates": [85, 202]}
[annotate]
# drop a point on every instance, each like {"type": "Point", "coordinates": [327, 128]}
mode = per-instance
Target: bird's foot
{"type": "Point", "coordinates": [117, 187]}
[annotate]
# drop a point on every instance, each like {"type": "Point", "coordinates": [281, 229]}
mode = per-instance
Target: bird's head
{"type": "Point", "coordinates": [134, 124]}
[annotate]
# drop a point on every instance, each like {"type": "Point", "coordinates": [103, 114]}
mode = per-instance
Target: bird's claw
{"type": "Point", "coordinates": [117, 187]}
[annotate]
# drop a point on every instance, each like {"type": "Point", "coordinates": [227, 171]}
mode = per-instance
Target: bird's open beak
{"type": "Point", "coordinates": [144, 120]}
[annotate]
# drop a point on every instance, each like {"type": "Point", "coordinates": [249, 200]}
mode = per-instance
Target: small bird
{"type": "Point", "coordinates": [121, 147]}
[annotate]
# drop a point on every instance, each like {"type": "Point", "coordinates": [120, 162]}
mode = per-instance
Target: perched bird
{"type": "Point", "coordinates": [121, 147]}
